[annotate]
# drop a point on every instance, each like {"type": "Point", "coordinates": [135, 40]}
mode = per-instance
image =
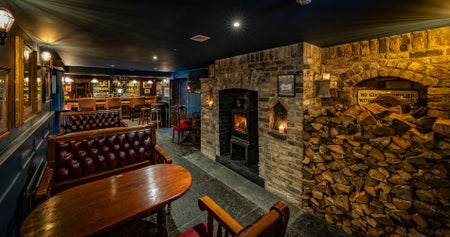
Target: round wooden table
{"type": "Point", "coordinates": [96, 207]}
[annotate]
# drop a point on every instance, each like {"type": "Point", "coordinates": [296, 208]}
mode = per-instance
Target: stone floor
{"type": "Point", "coordinates": [242, 199]}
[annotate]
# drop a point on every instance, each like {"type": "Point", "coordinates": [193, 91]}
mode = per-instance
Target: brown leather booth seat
{"type": "Point", "coordinates": [81, 157]}
{"type": "Point", "coordinates": [88, 120]}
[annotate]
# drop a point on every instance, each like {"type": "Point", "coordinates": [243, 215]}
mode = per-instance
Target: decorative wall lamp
{"type": "Point", "coordinates": [6, 21]}
{"type": "Point", "coordinates": [46, 56]}
{"type": "Point", "coordinates": [209, 97]}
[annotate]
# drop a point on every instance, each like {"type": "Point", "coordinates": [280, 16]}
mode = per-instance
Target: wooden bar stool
{"type": "Point", "coordinates": [155, 117]}
{"type": "Point", "coordinates": [144, 116]}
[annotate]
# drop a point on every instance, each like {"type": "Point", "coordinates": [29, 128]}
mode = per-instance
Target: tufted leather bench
{"type": "Point", "coordinates": [77, 121]}
{"type": "Point", "coordinates": [81, 157]}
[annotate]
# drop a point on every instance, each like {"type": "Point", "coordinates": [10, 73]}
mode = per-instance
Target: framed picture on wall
{"type": "Point", "coordinates": [286, 85]}
{"type": "Point", "coordinates": [4, 100]}
{"type": "Point", "coordinates": [146, 91]}
{"type": "Point", "coordinates": [147, 84]}
{"type": "Point", "coordinates": [166, 92]}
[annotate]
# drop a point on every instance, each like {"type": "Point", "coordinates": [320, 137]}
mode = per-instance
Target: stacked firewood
{"type": "Point", "coordinates": [373, 170]}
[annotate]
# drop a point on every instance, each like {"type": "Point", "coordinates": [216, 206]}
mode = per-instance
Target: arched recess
{"type": "Point", "coordinates": [425, 74]}
{"type": "Point", "coordinates": [278, 115]}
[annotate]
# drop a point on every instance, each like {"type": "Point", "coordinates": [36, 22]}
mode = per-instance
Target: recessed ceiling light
{"type": "Point", "coordinates": [236, 24]}
{"type": "Point", "coordinates": [200, 38]}
{"type": "Point", "coordinates": [155, 57]}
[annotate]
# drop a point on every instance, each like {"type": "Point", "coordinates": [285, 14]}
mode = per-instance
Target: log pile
{"type": "Point", "coordinates": [372, 170]}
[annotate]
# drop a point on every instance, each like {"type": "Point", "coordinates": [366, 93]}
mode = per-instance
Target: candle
{"type": "Point", "coordinates": [281, 129]}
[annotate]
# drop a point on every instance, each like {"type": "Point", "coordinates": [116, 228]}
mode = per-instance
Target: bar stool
{"type": "Point", "coordinates": [155, 117]}
{"type": "Point", "coordinates": [144, 116]}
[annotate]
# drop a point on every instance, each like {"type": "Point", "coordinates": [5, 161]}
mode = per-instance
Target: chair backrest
{"type": "Point", "coordinates": [182, 109]}
{"type": "Point", "coordinates": [113, 103]}
{"type": "Point", "coordinates": [272, 224]}
{"type": "Point", "coordinates": [86, 104]}
{"type": "Point", "coordinates": [174, 118]}
{"type": "Point", "coordinates": [137, 102]}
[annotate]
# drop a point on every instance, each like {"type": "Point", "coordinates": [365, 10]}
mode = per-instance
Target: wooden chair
{"type": "Point", "coordinates": [182, 109]}
{"type": "Point", "coordinates": [87, 104]}
{"type": "Point", "coordinates": [180, 125]}
{"type": "Point", "coordinates": [136, 104]}
{"type": "Point", "coordinates": [113, 103]}
{"type": "Point", "coordinates": [273, 223]}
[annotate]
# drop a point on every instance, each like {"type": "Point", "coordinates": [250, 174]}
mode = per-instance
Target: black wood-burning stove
{"type": "Point", "coordinates": [244, 132]}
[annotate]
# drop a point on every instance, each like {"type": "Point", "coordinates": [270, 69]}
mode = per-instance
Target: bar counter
{"type": "Point", "coordinates": [100, 102]}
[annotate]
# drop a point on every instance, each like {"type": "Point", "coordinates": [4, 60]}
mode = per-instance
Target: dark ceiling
{"type": "Point", "coordinates": [127, 34]}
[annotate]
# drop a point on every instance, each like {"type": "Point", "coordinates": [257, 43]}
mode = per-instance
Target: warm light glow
{"type": "Point", "coordinates": [150, 81]}
{"type": "Point", "coordinates": [240, 123]}
{"type": "Point", "coordinates": [155, 57]}
{"type": "Point", "coordinates": [94, 80]}
{"type": "Point", "coordinates": [210, 103]}
{"type": "Point", "coordinates": [46, 56]}
{"type": "Point", "coordinates": [134, 81]}
{"type": "Point", "coordinates": [236, 24]}
{"type": "Point", "coordinates": [281, 128]}
{"type": "Point", "coordinates": [26, 54]}
{"type": "Point", "coordinates": [68, 80]}
{"type": "Point", "coordinates": [326, 76]}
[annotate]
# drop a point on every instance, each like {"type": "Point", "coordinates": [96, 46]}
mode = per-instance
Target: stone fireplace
{"type": "Point", "coordinates": [238, 126]}
{"type": "Point", "coordinates": [365, 140]}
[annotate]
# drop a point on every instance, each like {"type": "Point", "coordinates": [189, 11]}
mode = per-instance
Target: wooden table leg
{"type": "Point", "coordinates": [162, 222]}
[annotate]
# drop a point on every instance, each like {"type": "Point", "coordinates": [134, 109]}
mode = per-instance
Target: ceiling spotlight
{"type": "Point", "coordinates": [303, 2]}
{"type": "Point", "coordinates": [236, 24]}
{"type": "Point", "coordinates": [155, 57]}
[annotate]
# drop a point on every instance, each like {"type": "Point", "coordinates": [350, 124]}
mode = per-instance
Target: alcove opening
{"type": "Point", "coordinates": [278, 118]}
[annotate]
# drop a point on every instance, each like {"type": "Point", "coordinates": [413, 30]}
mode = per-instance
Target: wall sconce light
{"type": "Point", "coordinates": [46, 56]}
{"type": "Point", "coordinates": [326, 76]}
{"type": "Point", "coordinates": [94, 80]}
{"type": "Point", "coordinates": [6, 21]}
{"type": "Point", "coordinates": [209, 97]}
{"type": "Point", "coordinates": [68, 80]}
{"type": "Point", "coordinates": [26, 54]}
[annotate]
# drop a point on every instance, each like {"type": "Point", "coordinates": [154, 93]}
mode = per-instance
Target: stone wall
{"type": "Point", "coordinates": [375, 173]}
{"type": "Point", "coordinates": [422, 57]}
{"type": "Point", "coordinates": [279, 155]}
{"type": "Point", "coordinates": [364, 173]}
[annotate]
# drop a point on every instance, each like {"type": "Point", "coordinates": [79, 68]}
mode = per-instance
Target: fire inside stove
{"type": "Point", "coordinates": [240, 123]}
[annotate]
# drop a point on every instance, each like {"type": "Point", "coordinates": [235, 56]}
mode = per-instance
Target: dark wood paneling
{"type": "Point", "coordinates": [18, 163]}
